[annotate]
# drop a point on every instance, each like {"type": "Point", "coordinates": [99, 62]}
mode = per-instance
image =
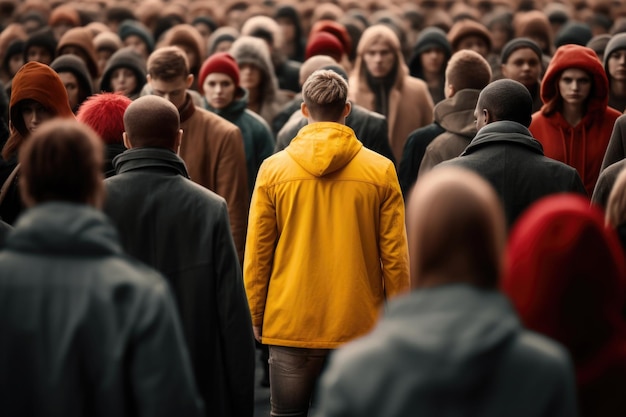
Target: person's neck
{"type": "Point", "coordinates": [573, 114]}
{"type": "Point", "coordinates": [432, 78]}
{"type": "Point", "coordinates": [254, 100]}
{"type": "Point", "coordinates": [618, 88]}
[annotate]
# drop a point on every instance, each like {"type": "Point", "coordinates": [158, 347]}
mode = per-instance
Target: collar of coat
{"type": "Point", "coordinates": [504, 132]}
{"type": "Point", "coordinates": [64, 229]}
{"type": "Point", "coordinates": [144, 158]}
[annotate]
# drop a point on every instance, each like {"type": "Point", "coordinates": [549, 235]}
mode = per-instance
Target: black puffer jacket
{"type": "Point", "coordinates": [86, 331]}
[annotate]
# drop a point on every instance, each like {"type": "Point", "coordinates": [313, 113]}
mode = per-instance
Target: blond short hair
{"type": "Point", "coordinates": [325, 94]}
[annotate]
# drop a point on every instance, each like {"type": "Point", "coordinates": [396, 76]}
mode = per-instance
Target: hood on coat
{"type": "Point", "coordinates": [580, 57]}
{"type": "Point", "coordinates": [565, 274]}
{"type": "Point", "coordinates": [456, 335]}
{"type": "Point", "coordinates": [617, 42]}
{"type": "Point", "coordinates": [81, 38]}
{"type": "Point", "coordinates": [39, 82]}
{"type": "Point", "coordinates": [185, 34]}
{"type": "Point", "coordinates": [251, 50]}
{"type": "Point", "coordinates": [456, 114]}
{"type": "Point", "coordinates": [371, 35]}
{"type": "Point", "coordinates": [65, 229]}
{"type": "Point", "coordinates": [432, 37]}
{"type": "Point", "coordinates": [75, 65]}
{"type": "Point", "coordinates": [323, 148]}
{"type": "Point", "coordinates": [124, 58]}
{"type": "Point", "coordinates": [224, 33]}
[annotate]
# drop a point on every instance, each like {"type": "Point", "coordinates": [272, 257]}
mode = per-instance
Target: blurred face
{"type": "Point", "coordinates": [617, 65]}
{"type": "Point", "coordinates": [71, 86]}
{"type": "Point", "coordinates": [74, 50]}
{"type": "Point", "coordinates": [250, 76]}
{"type": "Point", "coordinates": [204, 30]}
{"type": "Point", "coordinates": [39, 54]}
{"type": "Point", "coordinates": [574, 86]}
{"type": "Point", "coordinates": [379, 59]}
{"type": "Point", "coordinates": [124, 81]}
{"type": "Point", "coordinates": [60, 28]}
{"type": "Point", "coordinates": [289, 30]}
{"type": "Point", "coordinates": [174, 90]}
{"type": "Point", "coordinates": [34, 114]}
{"type": "Point", "coordinates": [433, 60]}
{"type": "Point", "coordinates": [474, 43]}
{"type": "Point", "coordinates": [499, 37]}
{"type": "Point", "coordinates": [15, 63]}
{"type": "Point", "coordinates": [137, 44]}
{"type": "Point", "coordinates": [103, 58]}
{"type": "Point", "coordinates": [223, 46]}
{"type": "Point", "coordinates": [524, 66]}
{"type": "Point", "coordinates": [219, 90]}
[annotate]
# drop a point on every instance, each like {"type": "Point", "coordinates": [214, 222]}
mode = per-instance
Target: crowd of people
{"type": "Point", "coordinates": [406, 207]}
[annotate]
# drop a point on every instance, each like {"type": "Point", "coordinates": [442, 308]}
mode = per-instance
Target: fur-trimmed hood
{"type": "Point", "coordinates": [251, 50]}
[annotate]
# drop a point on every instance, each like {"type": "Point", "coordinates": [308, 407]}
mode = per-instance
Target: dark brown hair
{"type": "Point", "coordinates": [62, 161]}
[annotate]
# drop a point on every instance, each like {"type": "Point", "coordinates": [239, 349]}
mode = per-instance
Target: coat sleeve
{"type": "Point", "coordinates": [161, 378]}
{"type": "Point", "coordinates": [616, 150]}
{"type": "Point", "coordinates": [236, 338]}
{"type": "Point", "coordinates": [380, 133]}
{"type": "Point", "coordinates": [394, 251]}
{"type": "Point", "coordinates": [260, 246]}
{"type": "Point", "coordinates": [232, 184]}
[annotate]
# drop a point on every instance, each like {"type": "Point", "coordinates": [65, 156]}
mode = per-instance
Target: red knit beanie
{"type": "Point", "coordinates": [221, 62]}
{"type": "Point", "coordinates": [323, 43]}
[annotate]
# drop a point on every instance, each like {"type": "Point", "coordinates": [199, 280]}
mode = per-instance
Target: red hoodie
{"type": "Point", "coordinates": [565, 274]}
{"type": "Point", "coordinates": [581, 146]}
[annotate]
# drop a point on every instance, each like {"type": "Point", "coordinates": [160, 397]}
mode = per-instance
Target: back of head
{"type": "Point", "coordinates": [565, 273]}
{"type": "Point", "coordinates": [62, 161]}
{"type": "Point", "coordinates": [168, 63]}
{"type": "Point", "coordinates": [456, 230]}
{"type": "Point", "coordinates": [104, 113]}
{"type": "Point", "coordinates": [325, 94]}
{"type": "Point", "coordinates": [507, 100]}
{"type": "Point", "coordinates": [152, 121]}
{"type": "Point", "coordinates": [468, 69]}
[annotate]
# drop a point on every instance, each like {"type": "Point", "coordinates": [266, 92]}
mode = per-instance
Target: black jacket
{"type": "Point", "coordinates": [506, 155]}
{"type": "Point", "coordinates": [369, 127]}
{"type": "Point", "coordinates": [85, 330]}
{"type": "Point", "coordinates": [182, 229]}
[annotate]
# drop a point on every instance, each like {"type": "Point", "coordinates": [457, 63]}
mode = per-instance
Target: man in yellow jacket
{"type": "Point", "coordinates": [326, 244]}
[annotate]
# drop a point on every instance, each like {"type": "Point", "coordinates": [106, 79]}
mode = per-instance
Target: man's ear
{"type": "Point", "coordinates": [126, 141]}
{"type": "Point", "coordinates": [305, 110]}
{"type": "Point", "coordinates": [189, 80]}
{"type": "Point", "coordinates": [149, 79]}
{"type": "Point", "coordinates": [347, 109]}
{"type": "Point", "coordinates": [487, 116]}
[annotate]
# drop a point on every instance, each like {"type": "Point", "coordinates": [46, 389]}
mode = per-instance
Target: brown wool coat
{"type": "Point", "coordinates": [212, 149]}
{"type": "Point", "coordinates": [410, 104]}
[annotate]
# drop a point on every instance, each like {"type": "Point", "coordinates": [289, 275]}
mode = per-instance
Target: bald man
{"type": "Point", "coordinates": [182, 229]}
{"type": "Point", "coordinates": [454, 346]}
{"type": "Point", "coordinates": [505, 154]}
